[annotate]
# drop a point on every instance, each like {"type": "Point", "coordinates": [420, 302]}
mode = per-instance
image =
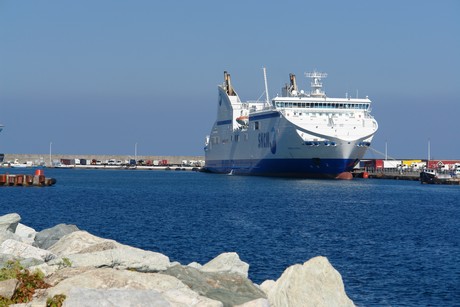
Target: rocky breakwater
{"type": "Point", "coordinates": [76, 268]}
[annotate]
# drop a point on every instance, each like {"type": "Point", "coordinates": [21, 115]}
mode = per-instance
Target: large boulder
{"type": "Point", "coordinates": [171, 289]}
{"type": "Point", "coordinates": [228, 263]}
{"type": "Point", "coordinates": [267, 285]}
{"type": "Point", "coordinates": [315, 283]}
{"type": "Point", "coordinates": [23, 250]}
{"type": "Point", "coordinates": [7, 287]}
{"type": "Point", "coordinates": [260, 302]}
{"type": "Point", "coordinates": [83, 297]}
{"type": "Point", "coordinates": [26, 233]}
{"type": "Point", "coordinates": [83, 249]}
{"type": "Point", "coordinates": [7, 235]}
{"type": "Point", "coordinates": [6, 259]}
{"type": "Point", "coordinates": [120, 258]}
{"type": "Point", "coordinates": [9, 222]}
{"type": "Point", "coordinates": [47, 237]}
{"type": "Point", "coordinates": [229, 288]}
{"type": "Point", "coordinates": [81, 242]}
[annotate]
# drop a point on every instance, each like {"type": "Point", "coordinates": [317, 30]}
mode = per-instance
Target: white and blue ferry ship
{"type": "Point", "coordinates": [299, 134]}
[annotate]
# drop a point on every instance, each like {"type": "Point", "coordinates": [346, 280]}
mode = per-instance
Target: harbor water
{"type": "Point", "coordinates": [395, 243]}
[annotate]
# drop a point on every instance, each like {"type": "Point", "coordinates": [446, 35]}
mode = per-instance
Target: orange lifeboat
{"type": "Point", "coordinates": [242, 120]}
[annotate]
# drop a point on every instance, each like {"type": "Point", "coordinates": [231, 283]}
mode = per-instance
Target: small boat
{"type": "Point", "coordinates": [17, 164]}
{"type": "Point", "coordinates": [433, 176]}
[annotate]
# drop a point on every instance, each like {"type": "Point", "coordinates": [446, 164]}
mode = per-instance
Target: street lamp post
{"type": "Point", "coordinates": [51, 143]}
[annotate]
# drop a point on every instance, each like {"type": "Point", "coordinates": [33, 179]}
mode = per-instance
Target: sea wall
{"type": "Point", "coordinates": [45, 158]}
{"type": "Point", "coordinates": [86, 270]}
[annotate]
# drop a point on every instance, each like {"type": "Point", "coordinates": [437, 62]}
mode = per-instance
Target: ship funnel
{"type": "Point", "coordinates": [293, 83]}
{"type": "Point", "coordinates": [228, 84]}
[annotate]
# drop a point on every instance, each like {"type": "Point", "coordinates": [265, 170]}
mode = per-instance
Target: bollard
{"type": "Point", "coordinates": [29, 179]}
{"type": "Point", "coordinates": [19, 179]}
{"type": "Point", "coordinates": [2, 179]}
{"type": "Point", "coordinates": [11, 179]}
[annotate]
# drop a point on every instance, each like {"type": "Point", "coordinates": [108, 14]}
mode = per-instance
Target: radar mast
{"type": "Point", "coordinates": [316, 85]}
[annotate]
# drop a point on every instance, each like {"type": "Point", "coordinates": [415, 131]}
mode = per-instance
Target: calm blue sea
{"type": "Point", "coordinates": [395, 243]}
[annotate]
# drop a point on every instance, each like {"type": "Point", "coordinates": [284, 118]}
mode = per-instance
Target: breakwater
{"type": "Point", "coordinates": [46, 159]}
{"type": "Point", "coordinates": [84, 270]}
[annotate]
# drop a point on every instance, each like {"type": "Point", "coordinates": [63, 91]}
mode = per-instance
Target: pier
{"type": "Point", "coordinates": [382, 173]}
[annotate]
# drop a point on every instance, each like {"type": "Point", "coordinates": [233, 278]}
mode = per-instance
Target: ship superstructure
{"type": "Point", "coordinates": [297, 134]}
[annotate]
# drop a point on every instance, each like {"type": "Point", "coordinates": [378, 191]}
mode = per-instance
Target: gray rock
{"type": "Point", "coordinates": [81, 297]}
{"type": "Point", "coordinates": [84, 249]}
{"type": "Point", "coordinates": [315, 283]}
{"type": "Point", "coordinates": [30, 262]}
{"type": "Point", "coordinates": [267, 285]}
{"type": "Point", "coordinates": [7, 287]}
{"type": "Point", "coordinates": [46, 238]}
{"type": "Point", "coordinates": [227, 262]}
{"type": "Point", "coordinates": [5, 258]}
{"type": "Point", "coordinates": [46, 269]}
{"type": "Point", "coordinates": [9, 222]}
{"type": "Point", "coordinates": [120, 258]}
{"type": "Point", "coordinates": [261, 302]}
{"type": "Point", "coordinates": [100, 247]}
{"type": "Point", "coordinates": [229, 288]}
{"type": "Point", "coordinates": [171, 289]}
{"type": "Point", "coordinates": [195, 265]}
{"type": "Point", "coordinates": [20, 249]}
{"type": "Point", "coordinates": [81, 242]}
{"type": "Point", "coordinates": [8, 235]}
{"type": "Point", "coordinates": [26, 233]}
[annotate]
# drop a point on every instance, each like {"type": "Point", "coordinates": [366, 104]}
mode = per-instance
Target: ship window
{"type": "Point", "coordinates": [256, 125]}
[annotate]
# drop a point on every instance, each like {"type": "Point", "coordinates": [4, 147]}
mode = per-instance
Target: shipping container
{"type": "Point", "coordinates": [410, 163]}
{"type": "Point", "coordinates": [442, 164]}
{"type": "Point", "coordinates": [391, 163]}
{"type": "Point", "coordinates": [65, 161]}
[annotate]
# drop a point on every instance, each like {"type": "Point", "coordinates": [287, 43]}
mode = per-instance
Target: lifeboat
{"type": "Point", "coordinates": [242, 120]}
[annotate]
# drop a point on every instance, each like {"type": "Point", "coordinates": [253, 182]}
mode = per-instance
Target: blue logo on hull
{"type": "Point", "coordinates": [273, 141]}
{"type": "Point", "coordinates": [268, 140]}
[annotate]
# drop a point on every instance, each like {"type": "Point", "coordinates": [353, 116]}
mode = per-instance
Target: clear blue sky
{"type": "Point", "coordinates": [96, 77]}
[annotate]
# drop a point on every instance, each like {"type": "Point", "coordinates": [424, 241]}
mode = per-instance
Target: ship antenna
{"type": "Point", "coordinates": [266, 87]}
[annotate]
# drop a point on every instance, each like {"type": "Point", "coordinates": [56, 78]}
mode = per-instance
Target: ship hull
{"type": "Point", "coordinates": [300, 168]}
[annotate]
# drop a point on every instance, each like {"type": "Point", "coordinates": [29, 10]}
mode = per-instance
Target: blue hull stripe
{"type": "Point", "coordinates": [264, 116]}
{"type": "Point", "coordinates": [224, 122]}
{"type": "Point", "coordinates": [313, 168]}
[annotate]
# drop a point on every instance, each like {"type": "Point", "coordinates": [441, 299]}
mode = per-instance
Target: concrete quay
{"type": "Point", "coordinates": [45, 159]}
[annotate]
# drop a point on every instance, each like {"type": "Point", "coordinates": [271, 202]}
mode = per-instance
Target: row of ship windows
{"type": "Point", "coordinates": [331, 143]}
{"type": "Point", "coordinates": [236, 138]}
{"type": "Point", "coordinates": [323, 105]}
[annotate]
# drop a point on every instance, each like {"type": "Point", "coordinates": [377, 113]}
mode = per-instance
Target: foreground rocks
{"type": "Point", "coordinates": [92, 271]}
